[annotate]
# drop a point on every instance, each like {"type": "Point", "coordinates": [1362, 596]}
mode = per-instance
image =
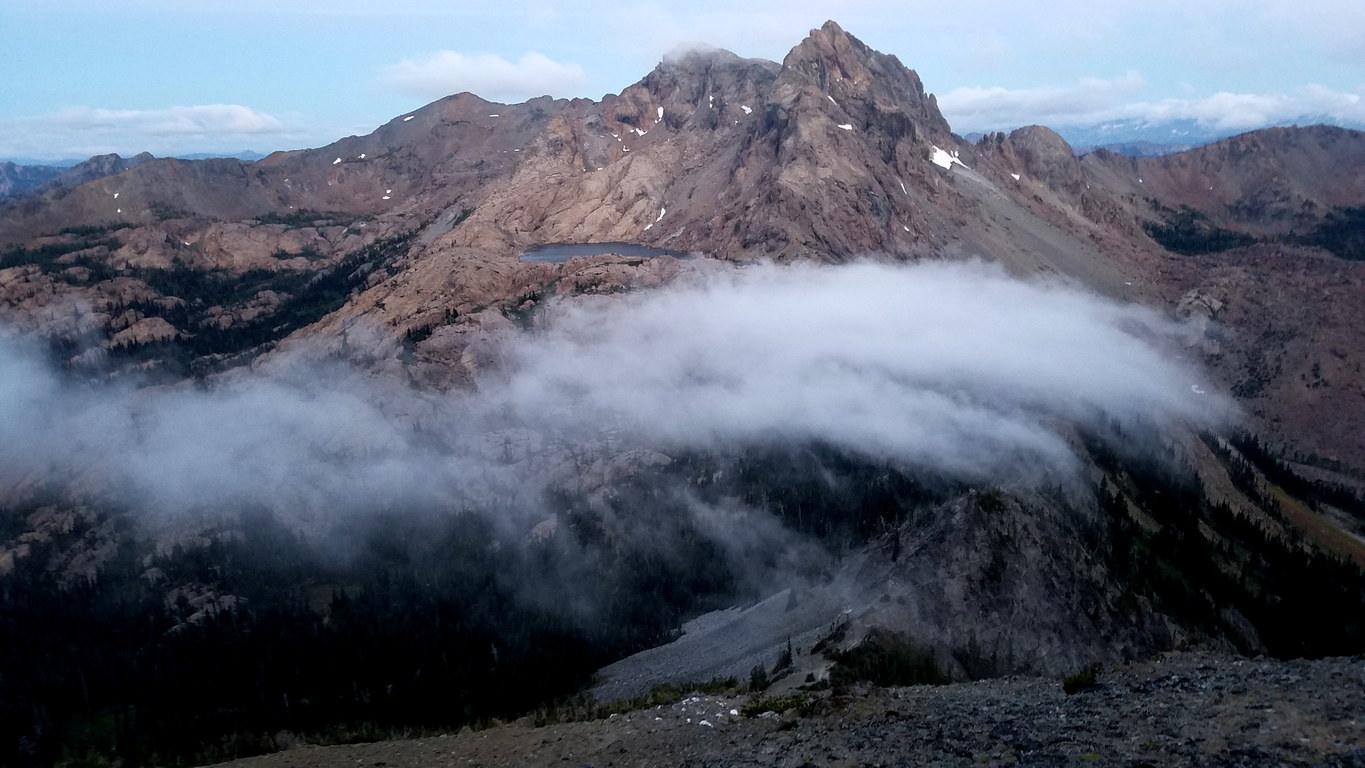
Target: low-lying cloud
{"type": "Point", "coordinates": [956, 368]}
{"type": "Point", "coordinates": [951, 368]}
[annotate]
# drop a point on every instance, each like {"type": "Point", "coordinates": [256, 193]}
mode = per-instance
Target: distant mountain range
{"type": "Point", "coordinates": [20, 177]}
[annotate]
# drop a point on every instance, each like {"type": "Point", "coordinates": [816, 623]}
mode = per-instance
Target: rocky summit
{"type": "Point", "coordinates": [753, 377]}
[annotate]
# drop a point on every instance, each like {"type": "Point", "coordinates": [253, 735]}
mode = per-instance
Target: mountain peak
{"type": "Point", "coordinates": [830, 51]}
{"type": "Point", "coordinates": [861, 81]}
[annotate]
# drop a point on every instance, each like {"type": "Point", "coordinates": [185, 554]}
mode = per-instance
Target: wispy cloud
{"type": "Point", "coordinates": [1092, 100]}
{"type": "Point", "coordinates": [93, 130]}
{"type": "Point", "coordinates": [201, 119]}
{"type": "Point", "coordinates": [1249, 110]}
{"type": "Point", "coordinates": [493, 77]}
{"type": "Point", "coordinates": [996, 107]}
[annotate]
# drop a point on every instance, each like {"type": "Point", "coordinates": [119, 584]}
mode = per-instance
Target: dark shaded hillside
{"type": "Point", "coordinates": [430, 620]}
{"type": "Point", "coordinates": [17, 179]}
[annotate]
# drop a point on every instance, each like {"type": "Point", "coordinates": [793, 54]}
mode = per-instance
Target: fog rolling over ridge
{"type": "Point", "coordinates": [956, 369]}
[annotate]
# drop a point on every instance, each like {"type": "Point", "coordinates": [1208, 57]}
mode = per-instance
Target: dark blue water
{"type": "Point", "coordinates": [558, 252]}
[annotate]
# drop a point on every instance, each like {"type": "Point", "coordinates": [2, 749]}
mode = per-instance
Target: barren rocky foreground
{"type": "Point", "coordinates": [1188, 709]}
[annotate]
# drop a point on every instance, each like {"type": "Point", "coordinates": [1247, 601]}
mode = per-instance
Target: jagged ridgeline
{"type": "Point", "coordinates": [210, 648]}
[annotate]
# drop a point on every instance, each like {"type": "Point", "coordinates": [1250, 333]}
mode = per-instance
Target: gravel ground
{"type": "Point", "coordinates": [1181, 710]}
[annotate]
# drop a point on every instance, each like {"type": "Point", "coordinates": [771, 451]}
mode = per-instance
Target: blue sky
{"type": "Point", "coordinates": [80, 77]}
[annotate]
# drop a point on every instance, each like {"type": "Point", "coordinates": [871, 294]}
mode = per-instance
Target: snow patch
{"type": "Point", "coordinates": [385, 197]}
{"type": "Point", "coordinates": [907, 229]}
{"type": "Point", "coordinates": [336, 161]}
{"type": "Point", "coordinates": [1014, 176]}
{"type": "Point", "coordinates": [746, 109]}
{"type": "Point", "coordinates": [661, 113]}
{"type": "Point", "coordinates": [362, 156]}
{"type": "Point", "coordinates": [649, 226]}
{"type": "Point", "coordinates": [1195, 389]}
{"type": "Point", "coordinates": [409, 117]}
{"type": "Point", "coordinates": [662, 211]}
{"type": "Point", "coordinates": [710, 101]}
{"type": "Point", "coordinates": [846, 126]}
{"type": "Point", "coordinates": [944, 159]}
{"type": "Point", "coordinates": [639, 132]}
{"type": "Point", "coordinates": [706, 723]}
{"type": "Point", "coordinates": [120, 210]}
{"type": "Point", "coordinates": [388, 191]}
{"type": "Point", "coordinates": [494, 115]}
{"type": "Point", "coordinates": [831, 100]}
{"type": "Point", "coordinates": [115, 195]}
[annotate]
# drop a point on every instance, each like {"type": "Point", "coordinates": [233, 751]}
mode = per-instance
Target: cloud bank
{"type": "Point", "coordinates": [492, 77]}
{"type": "Point", "coordinates": [954, 369]}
